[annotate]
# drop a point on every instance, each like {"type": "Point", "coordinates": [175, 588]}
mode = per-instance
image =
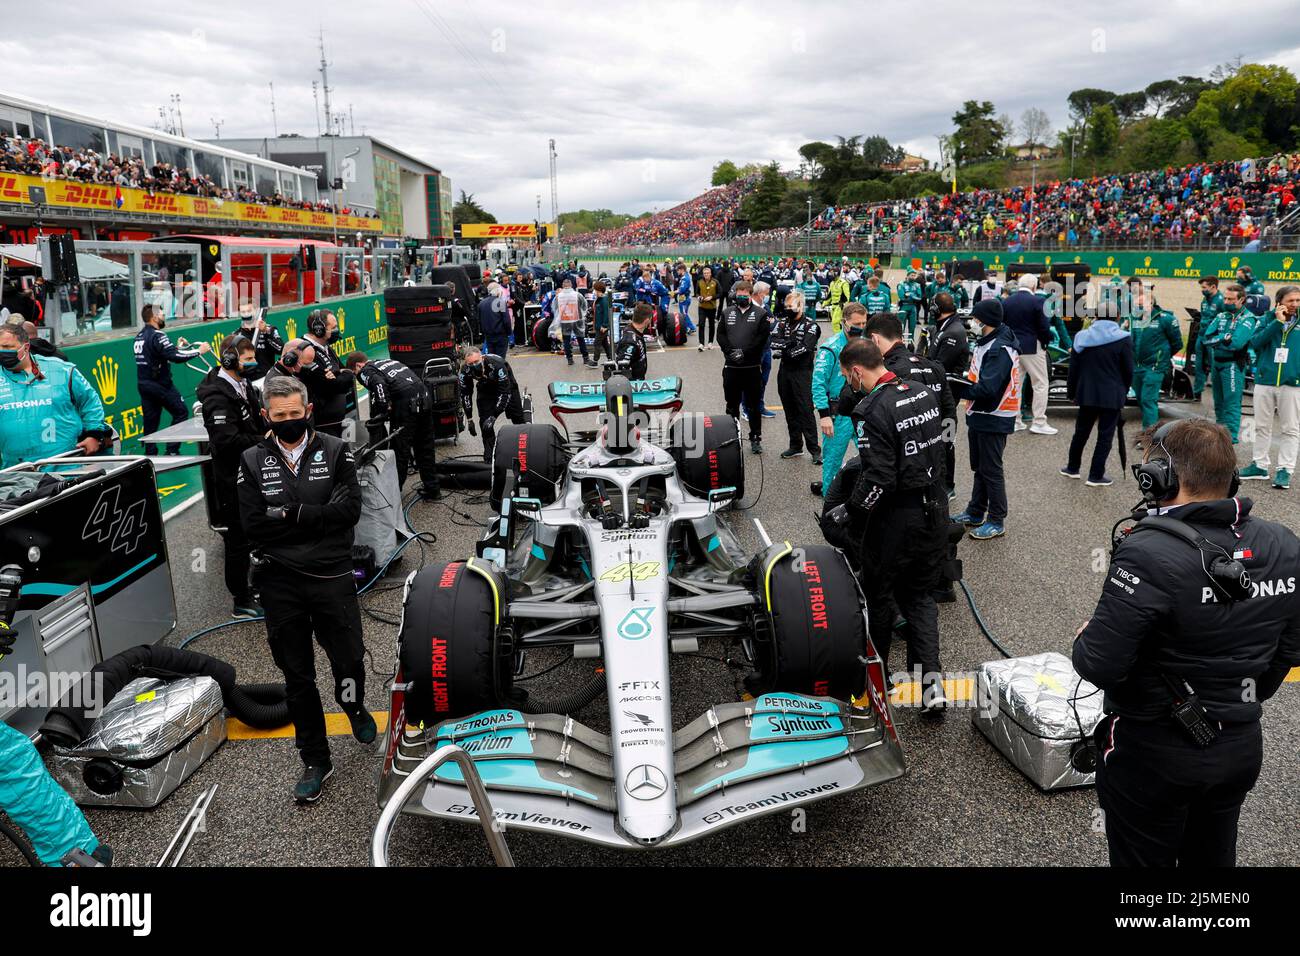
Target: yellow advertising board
{"type": "Point", "coordinates": [502, 230]}
{"type": "Point", "coordinates": [68, 194]}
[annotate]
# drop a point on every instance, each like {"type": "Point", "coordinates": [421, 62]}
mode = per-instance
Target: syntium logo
{"type": "Point", "coordinates": [487, 745]}
{"type": "Point", "coordinates": [788, 726]}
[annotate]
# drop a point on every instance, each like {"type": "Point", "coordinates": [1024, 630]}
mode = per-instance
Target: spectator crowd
{"type": "Point", "coordinates": [31, 156]}
{"type": "Point", "coordinates": [705, 217]}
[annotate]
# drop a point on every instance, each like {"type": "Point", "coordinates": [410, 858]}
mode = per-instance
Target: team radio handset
{"type": "Point", "coordinates": [1189, 713]}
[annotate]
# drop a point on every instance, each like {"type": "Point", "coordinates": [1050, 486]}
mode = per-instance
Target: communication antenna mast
{"type": "Point", "coordinates": [180, 121]}
{"type": "Point", "coordinates": [325, 82]}
{"type": "Point", "coordinates": [315, 96]}
{"type": "Point", "coordinates": [217, 124]}
{"type": "Point", "coordinates": [555, 203]}
{"type": "Point", "coordinates": [275, 126]}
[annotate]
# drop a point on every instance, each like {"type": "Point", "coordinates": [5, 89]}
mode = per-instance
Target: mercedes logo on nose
{"type": "Point", "coordinates": [645, 782]}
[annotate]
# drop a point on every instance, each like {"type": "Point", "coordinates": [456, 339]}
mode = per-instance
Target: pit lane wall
{"type": "Point", "coordinates": [109, 365]}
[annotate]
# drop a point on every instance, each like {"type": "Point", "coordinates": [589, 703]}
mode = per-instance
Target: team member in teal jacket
{"type": "Point", "coordinates": [940, 284]}
{"type": "Point", "coordinates": [1277, 388]}
{"type": "Point", "coordinates": [812, 294]}
{"type": "Point", "coordinates": [910, 295]}
{"type": "Point", "coordinates": [1248, 282]}
{"type": "Point", "coordinates": [827, 383]}
{"type": "Point", "coordinates": [873, 297]}
{"type": "Point", "coordinates": [1211, 305]}
{"type": "Point", "coordinates": [1228, 339]}
{"type": "Point", "coordinates": [1156, 338]}
{"type": "Point", "coordinates": [46, 406]}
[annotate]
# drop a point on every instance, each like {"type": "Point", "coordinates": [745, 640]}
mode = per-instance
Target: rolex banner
{"type": "Point", "coordinates": [1267, 266]}
{"type": "Point", "coordinates": [110, 367]}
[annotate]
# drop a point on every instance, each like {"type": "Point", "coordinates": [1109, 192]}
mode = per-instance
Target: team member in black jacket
{"type": "Point", "coordinates": [332, 387]}
{"type": "Point", "coordinates": [299, 500]}
{"type": "Point", "coordinates": [154, 355]}
{"type": "Point", "coordinates": [950, 345]}
{"type": "Point", "coordinates": [232, 414]}
{"type": "Point", "coordinates": [900, 495]}
{"type": "Point", "coordinates": [631, 353]}
{"type": "Point", "coordinates": [886, 330]}
{"type": "Point", "coordinates": [498, 394]}
{"type": "Point", "coordinates": [1167, 627]}
{"type": "Point", "coordinates": [399, 399]}
{"type": "Point", "coordinates": [743, 332]}
{"type": "Point", "coordinates": [265, 337]}
{"type": "Point", "coordinates": [794, 342]}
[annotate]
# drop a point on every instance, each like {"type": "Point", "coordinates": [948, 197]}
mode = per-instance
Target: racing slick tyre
{"type": "Point", "coordinates": [448, 642]}
{"type": "Point", "coordinates": [674, 330]}
{"type": "Point", "coordinates": [542, 457]}
{"type": "Point", "coordinates": [818, 631]}
{"type": "Point", "coordinates": [707, 451]}
{"type": "Point", "coordinates": [540, 336]}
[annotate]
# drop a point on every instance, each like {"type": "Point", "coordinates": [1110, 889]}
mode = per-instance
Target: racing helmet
{"type": "Point", "coordinates": [620, 437]}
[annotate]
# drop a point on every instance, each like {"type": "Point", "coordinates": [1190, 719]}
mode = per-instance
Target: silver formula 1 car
{"type": "Point", "coordinates": [617, 545]}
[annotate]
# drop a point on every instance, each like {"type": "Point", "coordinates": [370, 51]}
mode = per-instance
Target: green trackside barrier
{"type": "Point", "coordinates": [1267, 266]}
{"type": "Point", "coordinates": [110, 366]}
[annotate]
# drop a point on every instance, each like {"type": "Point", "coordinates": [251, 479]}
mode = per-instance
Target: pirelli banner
{"type": "Point", "coordinates": [1267, 266]}
{"type": "Point", "coordinates": [69, 195]}
{"type": "Point", "coordinates": [502, 230]}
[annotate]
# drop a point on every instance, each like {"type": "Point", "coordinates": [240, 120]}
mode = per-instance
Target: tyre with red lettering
{"type": "Point", "coordinates": [707, 451]}
{"type": "Point", "coordinates": [448, 641]}
{"type": "Point", "coordinates": [541, 456]}
{"type": "Point", "coordinates": [674, 330]}
{"type": "Point", "coordinates": [817, 639]}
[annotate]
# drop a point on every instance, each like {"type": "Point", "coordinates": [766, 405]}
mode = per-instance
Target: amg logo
{"type": "Point", "coordinates": [797, 725]}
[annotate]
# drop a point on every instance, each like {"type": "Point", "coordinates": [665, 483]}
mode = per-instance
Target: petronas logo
{"type": "Point", "coordinates": [104, 373]}
{"type": "Point", "coordinates": [291, 329]}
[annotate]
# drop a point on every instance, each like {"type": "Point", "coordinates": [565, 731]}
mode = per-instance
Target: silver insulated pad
{"type": "Point", "coordinates": [150, 739]}
{"type": "Point", "coordinates": [1023, 706]}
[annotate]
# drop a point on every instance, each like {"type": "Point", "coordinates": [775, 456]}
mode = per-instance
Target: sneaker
{"type": "Point", "coordinates": [1071, 474]}
{"type": "Point", "coordinates": [768, 413]}
{"type": "Point", "coordinates": [363, 727]}
{"type": "Point", "coordinates": [817, 457]}
{"type": "Point", "coordinates": [952, 494]}
{"type": "Point", "coordinates": [816, 488]}
{"type": "Point", "coordinates": [1021, 426]}
{"type": "Point", "coordinates": [701, 348]}
{"type": "Point", "coordinates": [987, 530]}
{"type": "Point", "coordinates": [756, 446]}
{"type": "Point", "coordinates": [934, 699]}
{"type": "Point", "coordinates": [1042, 430]}
{"type": "Point", "coordinates": [792, 453]}
{"type": "Point", "coordinates": [744, 415]}
{"type": "Point", "coordinates": [1105, 481]}
{"type": "Point", "coordinates": [592, 364]}
{"type": "Point", "coordinates": [247, 608]}
{"type": "Point", "coordinates": [309, 786]}
{"type": "Point", "coordinates": [1253, 472]}
{"type": "Point", "coordinates": [570, 361]}
{"type": "Point", "coordinates": [968, 519]}
{"type": "Point", "coordinates": [1282, 479]}
{"type": "Point", "coordinates": [946, 595]}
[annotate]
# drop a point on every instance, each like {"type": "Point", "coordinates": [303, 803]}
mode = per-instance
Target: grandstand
{"type": "Point", "coordinates": [1224, 206]}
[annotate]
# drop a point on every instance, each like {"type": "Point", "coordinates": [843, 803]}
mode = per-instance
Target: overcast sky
{"type": "Point", "coordinates": [641, 98]}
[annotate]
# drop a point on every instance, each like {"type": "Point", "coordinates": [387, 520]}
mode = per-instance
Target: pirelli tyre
{"type": "Point", "coordinates": [674, 329]}
{"type": "Point", "coordinates": [448, 642]}
{"type": "Point", "coordinates": [708, 454]}
{"type": "Point", "coordinates": [818, 639]}
{"type": "Point", "coordinates": [542, 456]}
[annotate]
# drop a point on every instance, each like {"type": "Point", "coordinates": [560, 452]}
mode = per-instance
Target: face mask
{"type": "Point", "coordinates": [248, 367]}
{"type": "Point", "coordinates": [9, 359]}
{"type": "Point", "coordinates": [162, 324]}
{"type": "Point", "coordinates": [289, 430]}
{"type": "Point", "coordinates": [332, 337]}
{"type": "Point", "coordinates": [855, 331]}
{"type": "Point", "coordinates": [742, 300]}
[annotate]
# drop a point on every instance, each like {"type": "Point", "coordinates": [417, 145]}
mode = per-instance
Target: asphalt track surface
{"type": "Point", "coordinates": [960, 802]}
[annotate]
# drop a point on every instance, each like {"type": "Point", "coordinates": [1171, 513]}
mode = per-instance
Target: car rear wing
{"type": "Point", "coordinates": [577, 398]}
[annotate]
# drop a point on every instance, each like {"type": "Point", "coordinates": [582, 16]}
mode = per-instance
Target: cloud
{"type": "Point", "coordinates": [642, 98]}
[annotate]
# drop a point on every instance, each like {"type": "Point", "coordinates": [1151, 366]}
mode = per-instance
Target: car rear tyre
{"type": "Point", "coordinates": [541, 454]}
{"type": "Point", "coordinates": [708, 454]}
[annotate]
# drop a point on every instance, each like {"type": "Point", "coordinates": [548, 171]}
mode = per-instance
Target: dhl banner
{"type": "Point", "coordinates": [502, 230]}
{"type": "Point", "coordinates": [66, 194]}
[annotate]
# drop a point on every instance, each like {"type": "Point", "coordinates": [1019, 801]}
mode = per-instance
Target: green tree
{"type": "Point", "coordinates": [725, 173]}
{"type": "Point", "coordinates": [979, 134]}
{"type": "Point", "coordinates": [1257, 102]}
{"type": "Point", "coordinates": [1152, 143]}
{"type": "Point", "coordinates": [862, 190]}
{"type": "Point", "coordinates": [467, 210]}
{"type": "Point", "coordinates": [1203, 123]}
{"type": "Point", "coordinates": [877, 151]}
{"type": "Point", "coordinates": [1103, 133]}
{"type": "Point", "coordinates": [1162, 94]}
{"type": "Point", "coordinates": [1083, 103]}
{"type": "Point", "coordinates": [761, 206]}
{"type": "Point", "coordinates": [1129, 106]}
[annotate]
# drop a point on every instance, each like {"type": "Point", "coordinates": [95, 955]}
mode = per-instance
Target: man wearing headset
{"type": "Point", "coordinates": [329, 384]}
{"type": "Point", "coordinates": [232, 414]}
{"type": "Point", "coordinates": [498, 394]}
{"type": "Point", "coordinates": [1197, 624]}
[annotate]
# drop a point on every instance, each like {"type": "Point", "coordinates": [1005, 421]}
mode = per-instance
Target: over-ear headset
{"type": "Point", "coordinates": [230, 354]}
{"type": "Point", "coordinates": [317, 322]}
{"type": "Point", "coordinates": [1157, 479]}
